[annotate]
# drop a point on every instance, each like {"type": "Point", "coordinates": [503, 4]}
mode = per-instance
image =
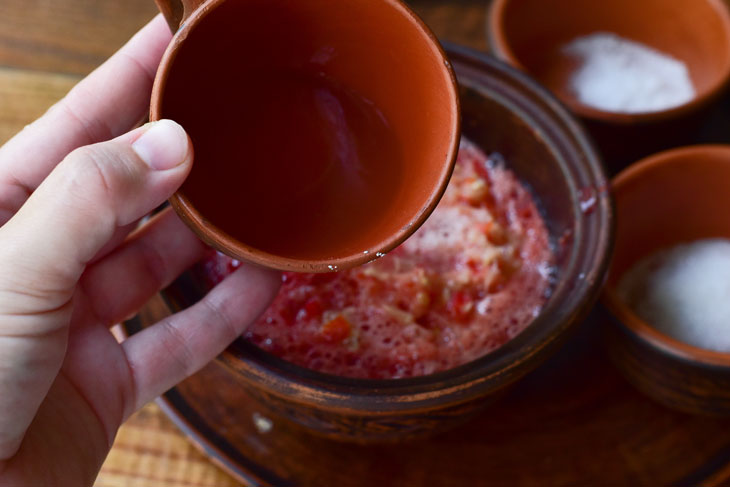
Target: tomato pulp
{"type": "Point", "coordinates": [469, 280]}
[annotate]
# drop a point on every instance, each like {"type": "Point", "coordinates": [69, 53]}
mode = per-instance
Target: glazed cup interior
{"type": "Point", "coordinates": [530, 34]}
{"type": "Point", "coordinates": [667, 199]}
{"type": "Point", "coordinates": [216, 80]}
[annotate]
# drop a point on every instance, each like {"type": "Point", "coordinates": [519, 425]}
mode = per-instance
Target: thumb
{"type": "Point", "coordinates": [45, 247]}
{"type": "Point", "coordinates": [78, 207]}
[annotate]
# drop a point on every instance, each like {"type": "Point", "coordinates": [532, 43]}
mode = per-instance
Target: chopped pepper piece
{"type": "Point", "coordinates": [336, 330]}
{"type": "Point", "coordinates": [313, 308]}
{"type": "Point", "coordinates": [460, 305]}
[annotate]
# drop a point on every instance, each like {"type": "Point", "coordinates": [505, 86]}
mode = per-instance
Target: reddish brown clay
{"type": "Point", "coordinates": [672, 197]}
{"type": "Point", "coordinates": [175, 11]}
{"type": "Point", "coordinates": [529, 34]}
{"type": "Point", "coordinates": [324, 131]}
{"type": "Point", "coordinates": [506, 112]}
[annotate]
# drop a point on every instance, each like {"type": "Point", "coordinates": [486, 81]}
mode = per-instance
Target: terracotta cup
{"type": "Point", "coordinates": [669, 198]}
{"type": "Point", "coordinates": [324, 131]}
{"type": "Point", "coordinates": [531, 35]}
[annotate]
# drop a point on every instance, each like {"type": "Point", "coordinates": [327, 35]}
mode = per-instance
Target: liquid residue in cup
{"type": "Point", "coordinates": [620, 75]}
{"type": "Point", "coordinates": [312, 165]}
{"type": "Point", "coordinates": [684, 292]}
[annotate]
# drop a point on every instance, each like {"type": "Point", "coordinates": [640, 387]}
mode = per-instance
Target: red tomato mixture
{"type": "Point", "coordinates": [470, 279]}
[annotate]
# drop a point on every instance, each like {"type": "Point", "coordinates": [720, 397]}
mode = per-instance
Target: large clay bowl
{"type": "Point", "coordinates": [504, 111]}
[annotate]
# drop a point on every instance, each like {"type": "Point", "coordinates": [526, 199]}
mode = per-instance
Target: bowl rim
{"type": "Point", "coordinates": [622, 314]}
{"type": "Point", "coordinates": [501, 48]}
{"type": "Point", "coordinates": [498, 368]}
{"type": "Point", "coordinates": [219, 239]}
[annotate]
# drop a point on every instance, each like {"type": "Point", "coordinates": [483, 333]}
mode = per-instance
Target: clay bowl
{"type": "Point", "coordinates": [530, 34]}
{"type": "Point", "coordinates": [669, 198]}
{"type": "Point", "coordinates": [504, 111]}
{"type": "Point", "coordinates": [324, 131]}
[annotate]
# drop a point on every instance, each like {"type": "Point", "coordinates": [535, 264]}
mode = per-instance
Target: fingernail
{"type": "Point", "coordinates": [163, 146]}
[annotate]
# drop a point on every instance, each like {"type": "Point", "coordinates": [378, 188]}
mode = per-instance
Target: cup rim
{"type": "Point", "coordinates": [501, 48]}
{"type": "Point", "coordinates": [622, 313]}
{"type": "Point", "coordinates": [219, 239]}
{"type": "Point", "coordinates": [495, 369]}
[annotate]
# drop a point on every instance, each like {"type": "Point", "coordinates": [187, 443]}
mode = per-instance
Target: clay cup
{"type": "Point", "coordinates": [324, 132]}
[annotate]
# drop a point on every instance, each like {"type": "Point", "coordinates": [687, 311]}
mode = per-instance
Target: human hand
{"type": "Point", "coordinates": [72, 264]}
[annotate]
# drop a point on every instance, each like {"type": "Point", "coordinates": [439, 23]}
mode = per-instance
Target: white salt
{"type": "Point", "coordinates": [684, 292]}
{"type": "Point", "coordinates": [620, 75]}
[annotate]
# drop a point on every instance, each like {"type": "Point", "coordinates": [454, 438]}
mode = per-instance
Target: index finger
{"type": "Point", "coordinates": [110, 101]}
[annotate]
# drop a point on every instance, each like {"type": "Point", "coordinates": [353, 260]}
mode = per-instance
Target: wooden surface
{"type": "Point", "coordinates": [150, 451]}
{"type": "Point", "coordinates": [48, 45]}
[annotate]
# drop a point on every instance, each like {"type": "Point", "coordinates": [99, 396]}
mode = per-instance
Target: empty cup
{"type": "Point", "coordinates": [324, 131]}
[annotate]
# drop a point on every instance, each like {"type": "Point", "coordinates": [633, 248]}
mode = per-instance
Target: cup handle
{"type": "Point", "coordinates": [177, 11]}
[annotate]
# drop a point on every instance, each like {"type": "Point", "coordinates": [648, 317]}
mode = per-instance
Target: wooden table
{"type": "Point", "coordinates": [45, 48]}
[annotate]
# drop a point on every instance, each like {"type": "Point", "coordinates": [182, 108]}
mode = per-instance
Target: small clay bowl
{"type": "Point", "coordinates": [530, 35]}
{"type": "Point", "coordinates": [503, 111]}
{"type": "Point", "coordinates": [669, 198]}
{"type": "Point", "coordinates": [325, 132]}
